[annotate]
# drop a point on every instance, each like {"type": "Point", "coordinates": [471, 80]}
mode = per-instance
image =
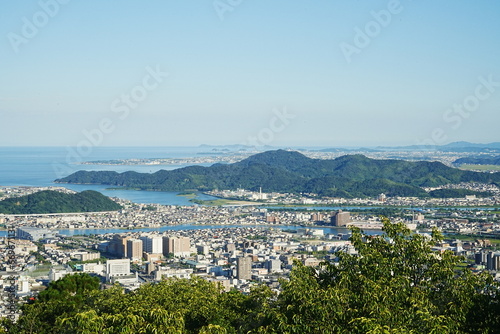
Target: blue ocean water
{"type": "Point", "coordinates": [40, 166]}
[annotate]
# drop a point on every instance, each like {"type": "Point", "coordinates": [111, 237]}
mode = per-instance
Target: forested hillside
{"type": "Point", "coordinates": [49, 201]}
{"type": "Point", "coordinates": [285, 171]}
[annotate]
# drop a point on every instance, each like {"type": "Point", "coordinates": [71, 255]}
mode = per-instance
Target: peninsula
{"type": "Point", "coordinates": [288, 171]}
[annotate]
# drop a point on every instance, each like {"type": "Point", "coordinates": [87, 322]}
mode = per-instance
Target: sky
{"type": "Point", "coordinates": [256, 72]}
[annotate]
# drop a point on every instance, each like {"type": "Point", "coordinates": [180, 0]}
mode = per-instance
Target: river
{"type": "Point", "coordinates": [72, 232]}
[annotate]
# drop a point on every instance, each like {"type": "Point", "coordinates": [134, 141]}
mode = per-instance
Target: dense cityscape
{"type": "Point", "coordinates": [249, 167]}
{"type": "Point", "coordinates": [253, 239]}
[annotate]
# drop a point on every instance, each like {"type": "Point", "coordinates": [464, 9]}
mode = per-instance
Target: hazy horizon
{"type": "Point", "coordinates": [243, 145]}
{"type": "Point", "coordinates": [281, 73]}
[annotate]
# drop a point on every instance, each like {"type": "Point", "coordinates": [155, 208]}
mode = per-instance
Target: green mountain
{"type": "Point", "coordinates": [288, 171]}
{"type": "Point", "coordinates": [49, 201]}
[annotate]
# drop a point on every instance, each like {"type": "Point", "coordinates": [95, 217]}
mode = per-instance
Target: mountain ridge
{"type": "Point", "coordinates": [290, 171]}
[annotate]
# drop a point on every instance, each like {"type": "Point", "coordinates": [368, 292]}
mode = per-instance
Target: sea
{"type": "Point", "coordinates": [40, 166]}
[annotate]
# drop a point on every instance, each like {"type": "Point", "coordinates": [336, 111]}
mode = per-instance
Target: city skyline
{"type": "Point", "coordinates": [224, 72]}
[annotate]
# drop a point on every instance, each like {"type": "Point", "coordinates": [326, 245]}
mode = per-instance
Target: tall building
{"type": "Point", "coordinates": [118, 245]}
{"type": "Point", "coordinates": [134, 249]}
{"type": "Point", "coordinates": [177, 246]}
{"type": "Point", "coordinates": [318, 217]}
{"type": "Point", "coordinates": [341, 218]}
{"type": "Point", "coordinates": [492, 261]}
{"type": "Point", "coordinates": [123, 246]}
{"type": "Point", "coordinates": [481, 258]}
{"type": "Point", "coordinates": [244, 268]}
{"type": "Point", "coordinates": [152, 244]}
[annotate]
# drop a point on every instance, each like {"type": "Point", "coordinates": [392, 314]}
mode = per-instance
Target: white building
{"type": "Point", "coordinates": [55, 274]}
{"type": "Point", "coordinates": [85, 256]}
{"type": "Point", "coordinates": [273, 266]}
{"type": "Point", "coordinates": [119, 267]}
{"type": "Point", "coordinates": [96, 268]}
{"type": "Point", "coordinates": [178, 273]}
{"type": "Point", "coordinates": [23, 286]}
{"type": "Point", "coordinates": [152, 245]}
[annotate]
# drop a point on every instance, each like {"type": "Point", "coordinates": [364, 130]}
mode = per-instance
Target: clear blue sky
{"type": "Point", "coordinates": [228, 69]}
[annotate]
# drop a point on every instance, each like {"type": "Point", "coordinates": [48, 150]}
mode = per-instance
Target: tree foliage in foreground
{"type": "Point", "coordinates": [394, 284]}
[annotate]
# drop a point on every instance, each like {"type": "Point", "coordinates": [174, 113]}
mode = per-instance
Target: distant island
{"type": "Point", "coordinates": [348, 176]}
{"type": "Point", "coordinates": [206, 158]}
{"type": "Point", "coordinates": [50, 201]}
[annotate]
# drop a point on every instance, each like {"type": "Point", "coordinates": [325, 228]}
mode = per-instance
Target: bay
{"type": "Point", "coordinates": [40, 166]}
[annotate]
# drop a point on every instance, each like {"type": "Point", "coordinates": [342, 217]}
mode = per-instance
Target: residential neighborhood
{"type": "Point", "coordinates": [236, 246]}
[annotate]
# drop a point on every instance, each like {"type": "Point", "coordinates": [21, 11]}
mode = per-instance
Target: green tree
{"type": "Point", "coordinates": [394, 284]}
{"type": "Point", "coordinates": [170, 306]}
{"type": "Point", "coordinates": [64, 297]}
